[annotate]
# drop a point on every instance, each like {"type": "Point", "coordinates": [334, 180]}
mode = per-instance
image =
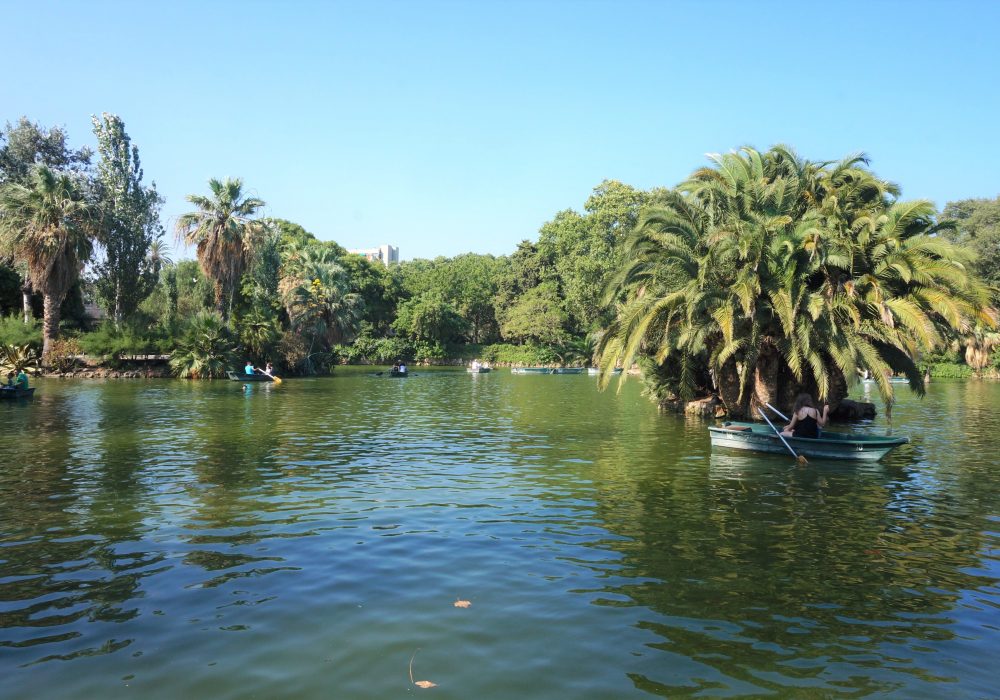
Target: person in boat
{"type": "Point", "coordinates": [475, 364]}
{"type": "Point", "coordinates": [402, 368]}
{"type": "Point", "coordinates": [395, 366]}
{"type": "Point", "coordinates": [10, 381]}
{"type": "Point", "coordinates": [268, 368]}
{"type": "Point", "coordinates": [806, 418]}
{"type": "Point", "coordinates": [249, 369]}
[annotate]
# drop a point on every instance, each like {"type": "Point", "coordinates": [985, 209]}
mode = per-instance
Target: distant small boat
{"type": "Point", "coordinates": [547, 370]}
{"type": "Point", "coordinates": [12, 393]}
{"type": "Point", "coordinates": [568, 370]}
{"type": "Point", "coordinates": [241, 377]}
{"type": "Point", "coordinates": [478, 370]}
{"type": "Point", "coordinates": [397, 373]}
{"type": "Point", "coordinates": [597, 370]}
{"type": "Point", "coordinates": [758, 437]}
{"type": "Point", "coordinates": [892, 380]}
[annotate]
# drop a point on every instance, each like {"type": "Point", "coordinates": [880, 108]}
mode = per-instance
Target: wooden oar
{"type": "Point", "coordinates": [798, 458]}
{"type": "Point", "coordinates": [276, 380]}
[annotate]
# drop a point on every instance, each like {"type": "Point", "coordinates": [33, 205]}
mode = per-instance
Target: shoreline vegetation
{"type": "Point", "coordinates": [760, 276]}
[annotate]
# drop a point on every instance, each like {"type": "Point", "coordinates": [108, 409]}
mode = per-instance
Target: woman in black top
{"type": "Point", "coordinates": [806, 418]}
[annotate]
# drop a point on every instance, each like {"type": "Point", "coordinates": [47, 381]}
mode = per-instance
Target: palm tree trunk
{"type": "Point", "coordinates": [729, 390]}
{"type": "Point", "coordinates": [765, 388]}
{"type": "Point", "coordinates": [220, 299]}
{"type": "Point", "coordinates": [50, 325]}
{"type": "Point", "coordinates": [26, 299]}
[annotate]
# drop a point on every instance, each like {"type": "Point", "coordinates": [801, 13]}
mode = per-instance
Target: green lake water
{"type": "Point", "coordinates": [171, 539]}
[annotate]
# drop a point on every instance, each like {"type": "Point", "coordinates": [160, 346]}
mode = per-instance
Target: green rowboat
{"type": "Point", "coordinates": [759, 437]}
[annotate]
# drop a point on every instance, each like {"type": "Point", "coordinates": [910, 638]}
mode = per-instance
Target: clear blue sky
{"type": "Point", "coordinates": [448, 127]}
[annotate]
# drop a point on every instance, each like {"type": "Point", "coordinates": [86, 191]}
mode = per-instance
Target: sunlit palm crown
{"type": "Point", "coordinates": [818, 262]}
{"type": "Point", "coordinates": [223, 232]}
{"type": "Point", "coordinates": [48, 226]}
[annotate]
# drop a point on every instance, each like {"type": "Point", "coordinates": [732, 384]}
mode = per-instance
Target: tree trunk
{"type": "Point", "coordinates": [26, 299]}
{"type": "Point", "coordinates": [220, 299]}
{"type": "Point", "coordinates": [50, 325]}
{"type": "Point", "coordinates": [729, 390]}
{"type": "Point", "coordinates": [765, 383]}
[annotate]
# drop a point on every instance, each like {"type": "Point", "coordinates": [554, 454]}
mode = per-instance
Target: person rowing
{"type": "Point", "coordinates": [249, 370]}
{"type": "Point", "coordinates": [806, 418]}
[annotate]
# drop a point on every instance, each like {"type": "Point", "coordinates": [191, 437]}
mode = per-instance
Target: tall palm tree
{"type": "Point", "coordinates": [778, 275]}
{"type": "Point", "coordinates": [224, 234]}
{"type": "Point", "coordinates": [47, 225]}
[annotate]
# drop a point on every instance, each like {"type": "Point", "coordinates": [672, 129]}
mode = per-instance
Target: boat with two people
{"type": "Point", "coordinates": [477, 367]}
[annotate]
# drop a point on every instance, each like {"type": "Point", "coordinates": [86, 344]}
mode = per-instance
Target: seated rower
{"type": "Point", "coordinates": [10, 381]}
{"type": "Point", "coordinates": [806, 418]}
{"type": "Point", "coordinates": [402, 368]}
{"type": "Point", "coordinates": [249, 369]}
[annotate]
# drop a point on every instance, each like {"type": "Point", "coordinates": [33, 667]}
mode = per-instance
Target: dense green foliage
{"type": "Point", "coordinates": [759, 276]}
{"type": "Point", "coordinates": [769, 275]}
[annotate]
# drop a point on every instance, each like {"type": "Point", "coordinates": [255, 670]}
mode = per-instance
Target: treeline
{"type": "Point", "coordinates": [761, 255]}
{"type": "Point", "coordinates": [266, 289]}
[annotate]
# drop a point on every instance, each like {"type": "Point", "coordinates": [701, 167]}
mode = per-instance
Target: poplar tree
{"type": "Point", "coordinates": [127, 273]}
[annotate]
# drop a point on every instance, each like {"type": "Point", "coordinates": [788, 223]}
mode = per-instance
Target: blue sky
{"type": "Point", "coordinates": [449, 127]}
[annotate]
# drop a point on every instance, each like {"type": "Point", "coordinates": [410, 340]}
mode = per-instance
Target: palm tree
{"type": "Point", "coordinates": [320, 305]}
{"type": "Point", "coordinates": [206, 350]}
{"type": "Point", "coordinates": [48, 226]}
{"type": "Point", "coordinates": [224, 234]}
{"type": "Point", "coordinates": [775, 275]}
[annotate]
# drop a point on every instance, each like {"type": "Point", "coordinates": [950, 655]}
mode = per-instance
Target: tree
{"type": "Point", "coordinates": [131, 222]}
{"type": "Point", "coordinates": [778, 275]}
{"type": "Point", "coordinates": [224, 234]}
{"type": "Point", "coordinates": [49, 226]}
{"type": "Point", "coordinates": [429, 317]}
{"type": "Point", "coordinates": [321, 306]}
{"type": "Point", "coordinates": [22, 147]}
{"type": "Point", "coordinates": [977, 224]}
{"type": "Point", "coordinates": [537, 317]}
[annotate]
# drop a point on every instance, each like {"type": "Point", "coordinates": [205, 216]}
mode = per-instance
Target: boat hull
{"type": "Point", "coordinates": [240, 377]}
{"type": "Point", "coordinates": [547, 370]}
{"type": "Point", "coordinates": [12, 394]}
{"type": "Point", "coordinates": [757, 437]}
{"type": "Point", "coordinates": [478, 370]}
{"type": "Point", "coordinates": [397, 374]}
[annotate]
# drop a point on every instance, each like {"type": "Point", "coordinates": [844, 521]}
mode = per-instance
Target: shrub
{"type": "Point", "coordinates": [14, 331]}
{"type": "Point", "coordinates": [950, 370]}
{"type": "Point", "coordinates": [63, 353]}
{"type": "Point", "coordinates": [529, 354]}
{"type": "Point", "coordinates": [207, 349]}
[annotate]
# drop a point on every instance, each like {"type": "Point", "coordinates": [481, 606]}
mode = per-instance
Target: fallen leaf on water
{"type": "Point", "coordinates": [419, 684]}
{"type": "Point", "coordinates": [462, 603]}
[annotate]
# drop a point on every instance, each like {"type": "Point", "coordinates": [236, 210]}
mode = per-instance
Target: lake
{"type": "Point", "coordinates": [166, 539]}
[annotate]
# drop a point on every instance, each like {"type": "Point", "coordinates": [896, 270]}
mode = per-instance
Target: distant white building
{"type": "Point", "coordinates": [385, 254]}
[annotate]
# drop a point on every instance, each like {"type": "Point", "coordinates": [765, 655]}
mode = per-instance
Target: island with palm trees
{"type": "Point", "coordinates": [761, 275]}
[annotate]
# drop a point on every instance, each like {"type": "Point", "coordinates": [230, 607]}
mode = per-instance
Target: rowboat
{"type": "Point", "coordinates": [478, 370]}
{"type": "Point", "coordinates": [892, 380]}
{"type": "Point", "coordinates": [597, 370]}
{"type": "Point", "coordinates": [547, 370]}
{"type": "Point", "coordinates": [758, 437]}
{"type": "Point", "coordinates": [12, 393]}
{"type": "Point", "coordinates": [397, 373]}
{"type": "Point", "coordinates": [242, 377]}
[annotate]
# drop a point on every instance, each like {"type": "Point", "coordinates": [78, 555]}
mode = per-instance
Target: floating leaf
{"type": "Point", "coordinates": [419, 684]}
{"type": "Point", "coordinates": [462, 603]}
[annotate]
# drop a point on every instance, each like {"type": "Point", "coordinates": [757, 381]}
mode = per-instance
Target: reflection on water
{"type": "Point", "coordinates": [184, 539]}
